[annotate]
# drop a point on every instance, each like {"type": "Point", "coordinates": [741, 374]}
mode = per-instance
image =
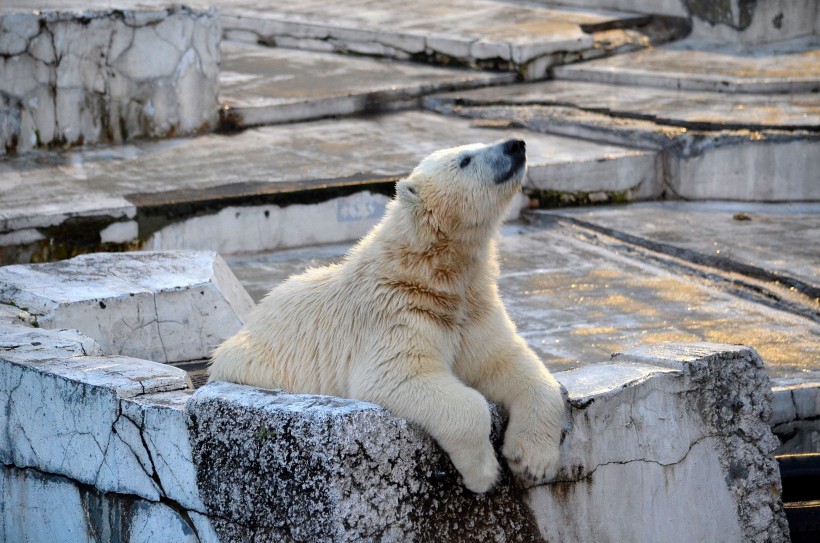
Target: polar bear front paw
{"type": "Point", "coordinates": [479, 473]}
{"type": "Point", "coordinates": [533, 457]}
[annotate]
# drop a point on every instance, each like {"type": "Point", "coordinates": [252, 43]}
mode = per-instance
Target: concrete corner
{"type": "Point", "coordinates": [163, 306]}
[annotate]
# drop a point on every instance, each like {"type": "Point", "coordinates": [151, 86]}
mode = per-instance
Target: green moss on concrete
{"type": "Point", "coordinates": [546, 199]}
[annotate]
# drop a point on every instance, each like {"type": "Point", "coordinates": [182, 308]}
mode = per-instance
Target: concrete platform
{"type": "Point", "coordinates": [578, 295]}
{"type": "Point", "coordinates": [236, 194]}
{"type": "Point", "coordinates": [749, 147]}
{"type": "Point", "coordinates": [478, 33]}
{"type": "Point", "coordinates": [775, 237]}
{"type": "Point", "coordinates": [784, 67]}
{"type": "Point", "coordinates": [694, 110]}
{"type": "Point", "coordinates": [266, 85]}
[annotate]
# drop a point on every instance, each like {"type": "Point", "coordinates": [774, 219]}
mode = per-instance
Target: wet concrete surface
{"type": "Point", "coordinates": [576, 301]}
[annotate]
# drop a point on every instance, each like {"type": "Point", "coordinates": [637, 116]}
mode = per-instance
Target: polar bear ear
{"type": "Point", "coordinates": [407, 191]}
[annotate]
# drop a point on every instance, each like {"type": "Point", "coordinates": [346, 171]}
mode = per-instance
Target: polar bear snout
{"type": "Point", "coordinates": [515, 147]}
{"type": "Point", "coordinates": [513, 159]}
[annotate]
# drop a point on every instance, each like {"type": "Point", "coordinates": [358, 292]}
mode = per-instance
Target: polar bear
{"type": "Point", "coordinates": [412, 320]}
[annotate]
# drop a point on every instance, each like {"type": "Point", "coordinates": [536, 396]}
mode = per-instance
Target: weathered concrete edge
{"type": "Point", "coordinates": [649, 365]}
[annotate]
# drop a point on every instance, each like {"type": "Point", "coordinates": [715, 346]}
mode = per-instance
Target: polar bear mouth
{"type": "Point", "coordinates": [513, 160]}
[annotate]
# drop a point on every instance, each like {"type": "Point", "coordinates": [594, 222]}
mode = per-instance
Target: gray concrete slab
{"type": "Point", "coordinates": [782, 238]}
{"type": "Point", "coordinates": [265, 85]}
{"type": "Point", "coordinates": [46, 189]}
{"type": "Point", "coordinates": [698, 110]}
{"type": "Point", "coordinates": [575, 301]}
{"type": "Point", "coordinates": [486, 33]}
{"type": "Point", "coordinates": [792, 67]}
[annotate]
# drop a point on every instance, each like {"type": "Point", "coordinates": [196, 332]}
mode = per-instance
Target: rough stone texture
{"type": "Point", "coordinates": [274, 466]}
{"type": "Point", "coordinates": [327, 181]}
{"type": "Point", "coordinates": [57, 509]}
{"type": "Point", "coordinates": [665, 107]}
{"type": "Point", "coordinates": [167, 307]}
{"type": "Point", "coordinates": [771, 237]}
{"type": "Point", "coordinates": [525, 38]}
{"type": "Point", "coordinates": [72, 78]}
{"type": "Point", "coordinates": [267, 85]}
{"type": "Point", "coordinates": [784, 67]}
{"type": "Point", "coordinates": [684, 424]}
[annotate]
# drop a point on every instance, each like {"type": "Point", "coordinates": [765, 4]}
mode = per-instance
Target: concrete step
{"type": "Point", "coordinates": [792, 66]}
{"type": "Point", "coordinates": [755, 147]}
{"type": "Point", "coordinates": [267, 85]}
{"type": "Point", "coordinates": [95, 74]}
{"type": "Point", "coordinates": [727, 21]}
{"type": "Point", "coordinates": [326, 181]}
{"type": "Point", "coordinates": [578, 294]}
{"type": "Point", "coordinates": [476, 33]}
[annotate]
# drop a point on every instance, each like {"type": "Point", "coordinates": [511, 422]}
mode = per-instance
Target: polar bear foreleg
{"type": "Point", "coordinates": [501, 366]}
{"type": "Point", "coordinates": [457, 417]}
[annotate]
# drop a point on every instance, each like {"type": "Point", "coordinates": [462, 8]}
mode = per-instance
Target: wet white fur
{"type": "Point", "coordinates": [412, 320]}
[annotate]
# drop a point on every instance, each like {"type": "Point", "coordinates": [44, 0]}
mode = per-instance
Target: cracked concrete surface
{"type": "Point", "coordinates": [72, 78]}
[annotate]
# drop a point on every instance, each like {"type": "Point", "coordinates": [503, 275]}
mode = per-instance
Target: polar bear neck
{"type": "Point", "coordinates": [407, 251]}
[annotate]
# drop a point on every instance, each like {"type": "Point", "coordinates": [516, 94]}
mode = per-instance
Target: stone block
{"type": "Point", "coordinates": [100, 76]}
{"type": "Point", "coordinates": [274, 466]}
{"type": "Point", "coordinates": [678, 429]}
{"type": "Point", "coordinates": [65, 417]}
{"type": "Point", "coordinates": [164, 306]}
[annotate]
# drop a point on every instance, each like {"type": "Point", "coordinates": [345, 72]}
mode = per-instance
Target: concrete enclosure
{"type": "Point", "coordinates": [123, 448]}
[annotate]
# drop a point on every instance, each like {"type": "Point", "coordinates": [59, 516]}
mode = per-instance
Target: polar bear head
{"type": "Point", "coordinates": [464, 189]}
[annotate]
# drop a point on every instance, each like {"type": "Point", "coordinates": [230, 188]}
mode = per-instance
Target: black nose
{"type": "Point", "coordinates": [515, 147]}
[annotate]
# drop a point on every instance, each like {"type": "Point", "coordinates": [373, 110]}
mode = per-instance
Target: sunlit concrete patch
{"type": "Point", "coordinates": [773, 237]}
{"type": "Point", "coordinates": [575, 300]}
{"type": "Point", "coordinates": [160, 306]}
{"type": "Point", "coordinates": [266, 85]}
{"type": "Point", "coordinates": [92, 76]}
{"type": "Point", "coordinates": [68, 202]}
{"type": "Point", "coordinates": [784, 67]}
{"type": "Point", "coordinates": [524, 38]}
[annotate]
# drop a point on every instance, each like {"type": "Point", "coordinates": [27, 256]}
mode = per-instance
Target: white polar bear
{"type": "Point", "coordinates": [412, 320]}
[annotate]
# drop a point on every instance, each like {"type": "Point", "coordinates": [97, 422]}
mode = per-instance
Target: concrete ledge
{"type": "Point", "coordinates": [164, 306]}
{"type": "Point", "coordinates": [73, 78]}
{"type": "Point", "coordinates": [683, 426]}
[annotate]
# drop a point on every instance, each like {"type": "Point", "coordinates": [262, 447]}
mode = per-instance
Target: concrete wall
{"type": "Point", "coordinates": [667, 442]}
{"type": "Point", "coordinates": [73, 78]}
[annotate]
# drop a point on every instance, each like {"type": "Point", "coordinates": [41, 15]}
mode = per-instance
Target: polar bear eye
{"type": "Point", "coordinates": [465, 162]}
